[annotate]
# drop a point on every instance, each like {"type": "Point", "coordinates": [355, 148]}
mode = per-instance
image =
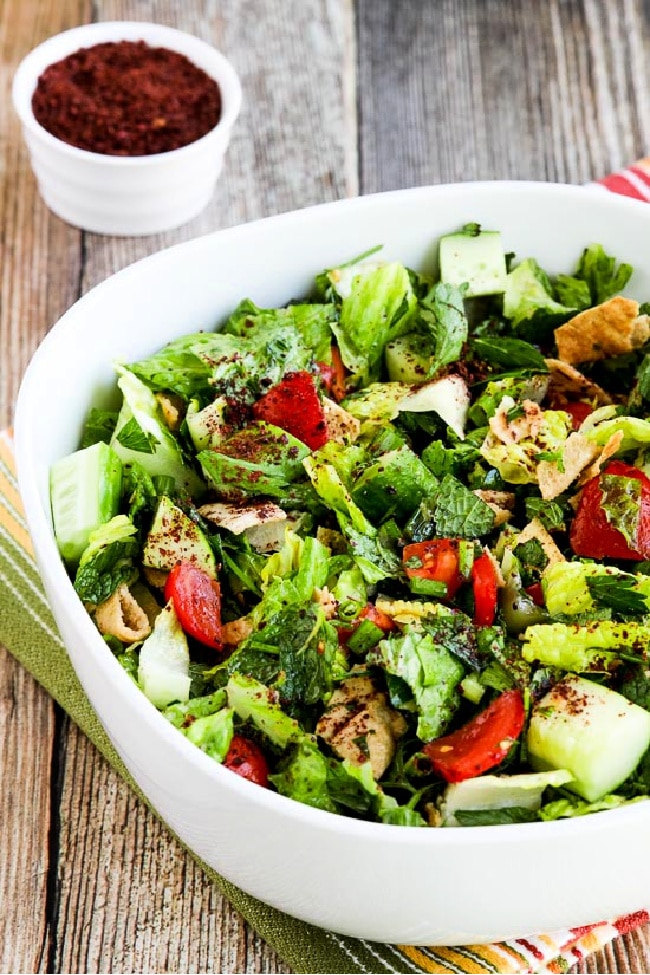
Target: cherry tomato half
{"type": "Point", "coordinates": [197, 602]}
{"type": "Point", "coordinates": [247, 759]}
{"type": "Point", "coordinates": [578, 411]}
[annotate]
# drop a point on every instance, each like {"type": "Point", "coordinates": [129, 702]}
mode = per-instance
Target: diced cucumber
{"type": "Point", "coordinates": [174, 538]}
{"type": "Point", "coordinates": [499, 792]}
{"type": "Point", "coordinates": [476, 259]}
{"type": "Point", "coordinates": [206, 426]}
{"type": "Point", "coordinates": [85, 490]}
{"type": "Point", "coordinates": [408, 358]}
{"type": "Point", "coordinates": [594, 732]}
{"type": "Point", "coordinates": [164, 664]}
{"type": "Point", "coordinates": [141, 436]}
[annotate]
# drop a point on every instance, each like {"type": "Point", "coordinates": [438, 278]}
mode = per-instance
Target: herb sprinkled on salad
{"type": "Point", "coordinates": [386, 550]}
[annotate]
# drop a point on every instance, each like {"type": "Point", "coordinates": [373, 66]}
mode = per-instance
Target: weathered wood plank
{"type": "Point", "coordinates": [459, 89]}
{"type": "Point", "coordinates": [31, 239]}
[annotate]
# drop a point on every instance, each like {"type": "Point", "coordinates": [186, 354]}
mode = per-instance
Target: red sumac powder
{"type": "Point", "coordinates": [126, 98]}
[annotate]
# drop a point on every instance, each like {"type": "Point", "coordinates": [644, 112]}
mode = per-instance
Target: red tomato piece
{"type": "Point", "coordinates": [197, 602]}
{"type": "Point", "coordinates": [480, 744]}
{"type": "Point", "coordinates": [578, 411]}
{"type": "Point", "coordinates": [369, 612]}
{"type": "Point", "coordinates": [536, 593]}
{"type": "Point", "coordinates": [437, 559]}
{"type": "Point", "coordinates": [246, 758]}
{"type": "Point", "coordinates": [294, 405]}
{"type": "Point", "coordinates": [591, 534]}
{"type": "Point", "coordinates": [484, 583]}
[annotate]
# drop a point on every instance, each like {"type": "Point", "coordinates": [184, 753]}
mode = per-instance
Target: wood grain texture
{"type": "Point", "coordinates": [337, 100]}
{"type": "Point", "coordinates": [501, 89]}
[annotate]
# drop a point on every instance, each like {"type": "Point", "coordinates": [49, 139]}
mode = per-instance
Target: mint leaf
{"type": "Point", "coordinates": [513, 353]}
{"type": "Point", "coordinates": [618, 593]}
{"type": "Point", "coordinates": [98, 426]}
{"type": "Point", "coordinates": [636, 687]}
{"type": "Point", "coordinates": [443, 313]}
{"type": "Point", "coordinates": [550, 513]}
{"type": "Point", "coordinates": [133, 437]}
{"type": "Point", "coordinates": [459, 512]}
{"type": "Point", "coordinates": [97, 579]}
{"type": "Point", "coordinates": [621, 503]}
{"type": "Point", "coordinates": [495, 817]}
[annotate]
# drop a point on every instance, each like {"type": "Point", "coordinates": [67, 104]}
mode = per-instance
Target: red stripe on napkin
{"type": "Point", "coordinates": [634, 181]}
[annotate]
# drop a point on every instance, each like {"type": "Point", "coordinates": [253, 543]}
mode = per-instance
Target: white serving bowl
{"type": "Point", "coordinates": [387, 883]}
{"type": "Point", "coordinates": [126, 195]}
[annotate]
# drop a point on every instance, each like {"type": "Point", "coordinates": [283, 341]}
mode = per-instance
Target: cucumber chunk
{"type": "Point", "coordinates": [475, 259]}
{"type": "Point", "coordinates": [594, 732]}
{"type": "Point", "coordinates": [175, 538]}
{"type": "Point", "coordinates": [408, 358]}
{"type": "Point", "coordinates": [85, 489]}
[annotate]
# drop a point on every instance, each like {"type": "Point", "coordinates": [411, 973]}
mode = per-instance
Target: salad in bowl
{"type": "Point", "coordinates": [385, 550]}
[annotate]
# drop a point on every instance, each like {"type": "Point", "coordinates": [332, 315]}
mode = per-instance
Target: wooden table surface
{"type": "Point", "coordinates": [341, 98]}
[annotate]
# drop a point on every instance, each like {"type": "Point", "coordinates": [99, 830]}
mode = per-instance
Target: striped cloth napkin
{"type": "Point", "coordinates": [28, 631]}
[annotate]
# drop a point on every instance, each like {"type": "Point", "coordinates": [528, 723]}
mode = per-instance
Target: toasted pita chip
{"type": "Point", "coordinates": [341, 425]}
{"type": "Point", "coordinates": [577, 453]}
{"type": "Point", "coordinates": [122, 616]}
{"type": "Point", "coordinates": [566, 383]}
{"type": "Point", "coordinates": [535, 529]}
{"type": "Point", "coordinates": [640, 331]}
{"type": "Point", "coordinates": [611, 447]}
{"type": "Point", "coordinates": [512, 431]}
{"type": "Point", "coordinates": [611, 328]}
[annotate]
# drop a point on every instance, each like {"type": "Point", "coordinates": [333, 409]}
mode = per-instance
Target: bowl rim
{"type": "Point", "coordinates": [25, 414]}
{"type": "Point", "coordinates": [87, 35]}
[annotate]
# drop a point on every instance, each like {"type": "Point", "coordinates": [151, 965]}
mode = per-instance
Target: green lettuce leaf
{"type": "Point", "coordinates": [108, 560]}
{"type": "Point", "coordinates": [379, 307]}
{"type": "Point", "coordinates": [311, 322]}
{"type": "Point", "coordinates": [254, 702]}
{"type": "Point", "coordinates": [443, 314]}
{"type": "Point", "coordinates": [212, 733]}
{"type": "Point", "coordinates": [603, 276]}
{"type": "Point", "coordinates": [530, 304]}
{"type": "Point", "coordinates": [432, 673]}
{"type": "Point", "coordinates": [163, 456]}
{"type": "Point", "coordinates": [595, 646]}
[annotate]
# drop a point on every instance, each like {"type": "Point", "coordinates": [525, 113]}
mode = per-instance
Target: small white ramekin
{"type": "Point", "coordinates": [126, 195]}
